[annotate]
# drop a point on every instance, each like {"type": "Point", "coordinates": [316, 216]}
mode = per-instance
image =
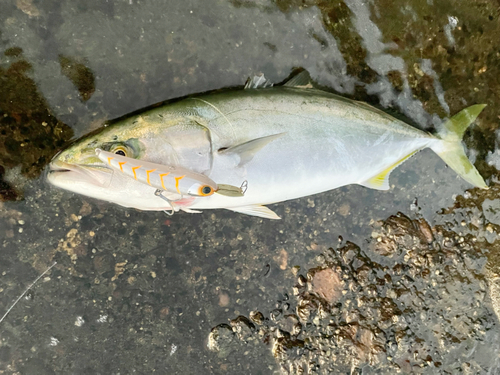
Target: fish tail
{"type": "Point", "coordinates": [451, 149]}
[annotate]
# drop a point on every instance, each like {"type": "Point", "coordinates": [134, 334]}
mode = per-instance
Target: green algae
{"type": "Point", "coordinates": [79, 74]}
{"type": "Point", "coordinates": [29, 134]}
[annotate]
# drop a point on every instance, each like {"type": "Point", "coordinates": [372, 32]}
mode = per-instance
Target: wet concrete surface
{"type": "Point", "coordinates": [220, 292]}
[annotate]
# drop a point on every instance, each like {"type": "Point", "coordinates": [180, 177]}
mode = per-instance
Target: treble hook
{"type": "Point", "coordinates": [158, 193]}
{"type": "Point", "coordinates": [244, 186]}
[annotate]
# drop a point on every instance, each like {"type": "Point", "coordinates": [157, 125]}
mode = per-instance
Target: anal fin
{"type": "Point", "coordinates": [256, 210]}
{"type": "Point", "coordinates": [381, 180]}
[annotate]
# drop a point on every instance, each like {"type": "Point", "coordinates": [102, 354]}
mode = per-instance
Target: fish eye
{"type": "Point", "coordinates": [206, 190]}
{"type": "Point", "coordinates": [120, 150]}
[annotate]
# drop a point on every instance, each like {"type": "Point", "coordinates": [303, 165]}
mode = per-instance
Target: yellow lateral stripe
{"type": "Point", "coordinates": [148, 172]}
{"type": "Point", "coordinates": [120, 163]}
{"type": "Point", "coordinates": [177, 179]}
{"type": "Point", "coordinates": [109, 160]}
{"type": "Point", "coordinates": [161, 178]}
{"type": "Point", "coordinates": [134, 169]}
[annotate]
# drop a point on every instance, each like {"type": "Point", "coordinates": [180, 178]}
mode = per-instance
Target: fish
{"type": "Point", "coordinates": [263, 144]}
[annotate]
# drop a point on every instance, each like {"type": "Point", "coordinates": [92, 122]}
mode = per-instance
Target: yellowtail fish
{"type": "Point", "coordinates": [285, 142]}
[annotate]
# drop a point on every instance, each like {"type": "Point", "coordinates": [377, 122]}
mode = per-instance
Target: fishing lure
{"type": "Point", "coordinates": [166, 177]}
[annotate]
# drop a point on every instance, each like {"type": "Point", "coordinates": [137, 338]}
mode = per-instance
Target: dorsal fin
{"type": "Point", "coordinates": [302, 80]}
{"type": "Point", "coordinates": [258, 82]}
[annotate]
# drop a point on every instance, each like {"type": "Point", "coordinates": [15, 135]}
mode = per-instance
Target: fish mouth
{"type": "Point", "coordinates": [58, 166]}
{"type": "Point", "coordinates": [61, 173]}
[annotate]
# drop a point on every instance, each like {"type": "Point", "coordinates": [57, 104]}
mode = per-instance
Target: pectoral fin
{"type": "Point", "coordinates": [246, 151]}
{"type": "Point", "coordinates": [381, 180]}
{"type": "Point", "coordinates": [256, 210]}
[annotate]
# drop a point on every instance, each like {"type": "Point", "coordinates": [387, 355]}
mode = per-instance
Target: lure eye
{"type": "Point", "coordinates": [206, 190]}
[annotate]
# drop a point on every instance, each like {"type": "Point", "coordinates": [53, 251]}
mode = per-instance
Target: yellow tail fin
{"type": "Point", "coordinates": [451, 149]}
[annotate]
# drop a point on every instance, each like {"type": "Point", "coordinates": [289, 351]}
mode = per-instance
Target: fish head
{"type": "Point", "coordinates": [79, 170]}
{"type": "Point", "coordinates": [176, 142]}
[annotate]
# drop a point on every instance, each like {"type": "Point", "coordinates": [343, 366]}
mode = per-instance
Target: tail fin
{"type": "Point", "coordinates": [451, 149]}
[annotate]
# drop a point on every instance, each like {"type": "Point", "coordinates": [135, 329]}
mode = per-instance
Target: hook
{"type": "Point", "coordinates": [158, 193]}
{"type": "Point", "coordinates": [244, 186]}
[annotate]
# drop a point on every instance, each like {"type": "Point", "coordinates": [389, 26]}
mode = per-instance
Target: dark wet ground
{"type": "Point", "coordinates": [224, 293]}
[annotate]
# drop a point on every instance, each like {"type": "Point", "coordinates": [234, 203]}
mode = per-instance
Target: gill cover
{"type": "Point", "coordinates": [190, 144]}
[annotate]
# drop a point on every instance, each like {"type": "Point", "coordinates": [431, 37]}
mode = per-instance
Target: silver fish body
{"type": "Point", "coordinates": [282, 142]}
{"type": "Point", "coordinates": [324, 144]}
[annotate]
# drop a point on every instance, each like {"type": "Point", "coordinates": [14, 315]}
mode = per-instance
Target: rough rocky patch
{"type": "Point", "coordinates": [410, 301]}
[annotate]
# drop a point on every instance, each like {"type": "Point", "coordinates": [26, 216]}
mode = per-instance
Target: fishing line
{"type": "Point", "coordinates": [26, 291]}
{"type": "Point", "coordinates": [218, 110]}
